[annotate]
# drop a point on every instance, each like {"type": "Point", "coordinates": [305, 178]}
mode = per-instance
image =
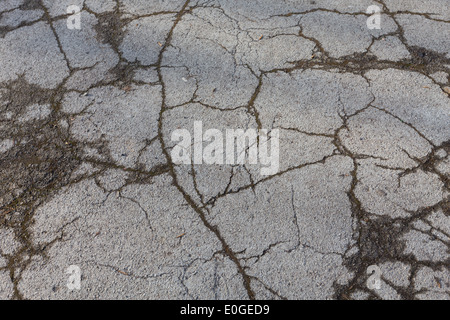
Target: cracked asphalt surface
{"type": "Point", "coordinates": [87, 177]}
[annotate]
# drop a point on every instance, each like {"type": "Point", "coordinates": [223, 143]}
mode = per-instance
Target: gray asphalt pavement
{"type": "Point", "coordinates": [120, 177]}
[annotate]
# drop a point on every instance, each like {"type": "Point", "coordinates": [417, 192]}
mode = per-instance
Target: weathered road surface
{"type": "Point", "coordinates": [88, 179]}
